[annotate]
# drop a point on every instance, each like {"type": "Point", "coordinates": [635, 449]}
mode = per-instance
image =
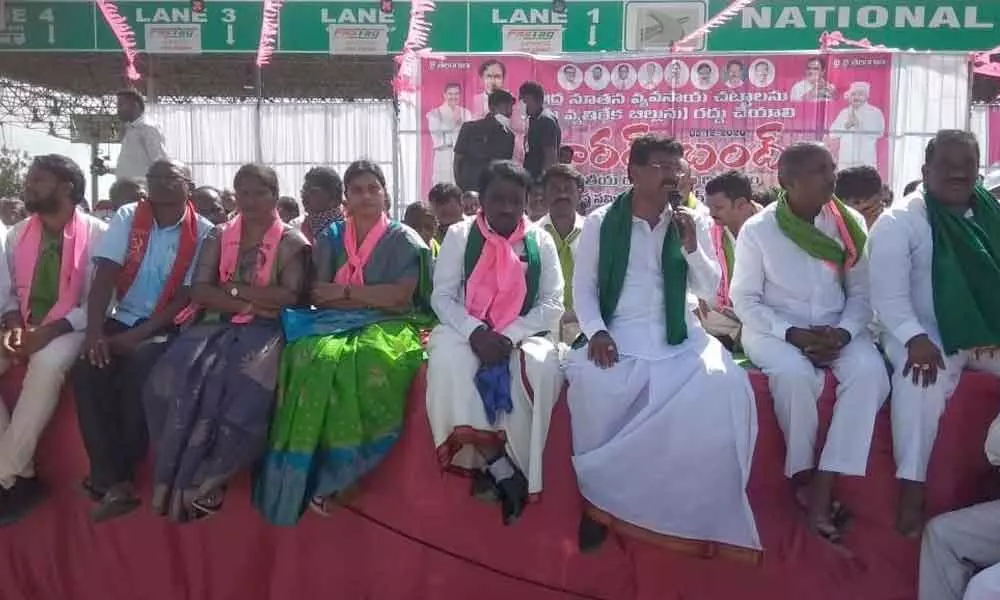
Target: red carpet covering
{"type": "Point", "coordinates": [414, 533]}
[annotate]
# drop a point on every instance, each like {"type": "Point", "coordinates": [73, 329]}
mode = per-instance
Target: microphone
{"type": "Point", "coordinates": [675, 199]}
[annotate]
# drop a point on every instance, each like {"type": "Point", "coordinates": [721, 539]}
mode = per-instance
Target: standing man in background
{"type": "Point", "coordinates": [485, 140]}
{"type": "Point", "coordinates": [541, 144]}
{"type": "Point", "coordinates": [142, 142]}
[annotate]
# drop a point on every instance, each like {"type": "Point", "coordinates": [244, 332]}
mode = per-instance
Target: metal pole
{"type": "Point", "coordinates": [258, 146]}
{"type": "Point", "coordinates": [95, 180]}
{"type": "Point", "coordinates": [397, 209]}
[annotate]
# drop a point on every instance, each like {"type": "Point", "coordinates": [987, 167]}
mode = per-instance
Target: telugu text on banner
{"type": "Point", "coordinates": [731, 112]}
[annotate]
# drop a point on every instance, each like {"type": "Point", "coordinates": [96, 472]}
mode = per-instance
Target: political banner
{"type": "Point", "coordinates": [729, 111]}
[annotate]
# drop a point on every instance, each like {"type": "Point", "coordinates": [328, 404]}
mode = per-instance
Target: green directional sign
{"type": "Point", "coordinates": [173, 27]}
{"type": "Point", "coordinates": [512, 26]}
{"type": "Point", "coordinates": [494, 26]}
{"type": "Point", "coordinates": [360, 27]}
{"type": "Point", "coordinates": [38, 26]}
{"type": "Point", "coordinates": [920, 24]}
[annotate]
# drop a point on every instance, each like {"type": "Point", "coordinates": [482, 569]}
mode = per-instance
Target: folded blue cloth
{"type": "Point", "coordinates": [304, 322]}
{"type": "Point", "coordinates": [493, 383]}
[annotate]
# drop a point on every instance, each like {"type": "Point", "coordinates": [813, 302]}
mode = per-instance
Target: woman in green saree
{"type": "Point", "coordinates": [348, 363]}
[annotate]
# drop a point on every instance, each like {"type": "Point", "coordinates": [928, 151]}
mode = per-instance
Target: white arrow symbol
{"type": "Point", "coordinates": [52, 34]}
{"type": "Point", "coordinates": [230, 35]}
{"type": "Point", "coordinates": [593, 36]}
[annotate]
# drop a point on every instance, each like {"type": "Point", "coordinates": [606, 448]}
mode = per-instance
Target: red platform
{"type": "Point", "coordinates": [417, 535]}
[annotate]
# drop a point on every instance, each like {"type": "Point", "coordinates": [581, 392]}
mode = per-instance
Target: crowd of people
{"type": "Point", "coordinates": [230, 333]}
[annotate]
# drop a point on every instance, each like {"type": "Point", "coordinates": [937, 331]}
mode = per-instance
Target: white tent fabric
{"type": "Point", "coordinates": [931, 93]}
{"type": "Point", "coordinates": [215, 139]}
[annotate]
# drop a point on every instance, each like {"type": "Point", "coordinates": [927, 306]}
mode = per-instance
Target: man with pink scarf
{"type": "Point", "coordinates": [730, 202]}
{"type": "Point", "coordinates": [44, 290]}
{"type": "Point", "coordinates": [493, 376]}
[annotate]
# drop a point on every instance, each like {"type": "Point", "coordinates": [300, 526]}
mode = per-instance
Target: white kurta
{"type": "Point", "coordinates": [454, 407]}
{"type": "Point", "coordinates": [664, 439]}
{"type": "Point", "coordinates": [776, 286]}
{"type": "Point", "coordinates": [858, 136]}
{"type": "Point", "coordinates": [142, 145]}
{"type": "Point", "coordinates": [901, 252]}
{"type": "Point", "coordinates": [443, 124]}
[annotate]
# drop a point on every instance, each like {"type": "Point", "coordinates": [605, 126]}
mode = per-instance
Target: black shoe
{"type": "Point", "coordinates": [117, 501]}
{"type": "Point", "coordinates": [20, 500]}
{"type": "Point", "coordinates": [591, 534]}
{"type": "Point", "coordinates": [92, 491]}
{"type": "Point", "coordinates": [513, 496]}
{"type": "Point", "coordinates": [483, 488]}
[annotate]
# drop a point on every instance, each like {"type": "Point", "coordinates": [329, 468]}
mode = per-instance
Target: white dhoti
{"type": "Point", "coordinates": [796, 385]}
{"type": "Point", "coordinates": [666, 444]}
{"type": "Point", "coordinates": [455, 410]}
{"type": "Point", "coordinates": [916, 410]}
{"type": "Point", "coordinates": [956, 545]}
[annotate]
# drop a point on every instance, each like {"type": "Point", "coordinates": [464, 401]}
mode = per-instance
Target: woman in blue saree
{"type": "Point", "coordinates": [209, 398]}
{"type": "Point", "coordinates": [349, 362]}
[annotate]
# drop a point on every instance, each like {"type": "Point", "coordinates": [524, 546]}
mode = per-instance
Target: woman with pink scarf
{"type": "Point", "coordinates": [208, 400]}
{"type": "Point", "coordinates": [350, 361]}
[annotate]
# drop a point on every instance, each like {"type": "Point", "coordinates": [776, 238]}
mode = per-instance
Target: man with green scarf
{"type": "Point", "coordinates": [935, 258]}
{"type": "Point", "coordinates": [801, 290]}
{"type": "Point", "coordinates": [664, 422]}
{"type": "Point", "coordinates": [562, 186]}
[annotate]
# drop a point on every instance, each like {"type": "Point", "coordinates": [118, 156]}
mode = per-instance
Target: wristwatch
{"type": "Point", "coordinates": [234, 292]}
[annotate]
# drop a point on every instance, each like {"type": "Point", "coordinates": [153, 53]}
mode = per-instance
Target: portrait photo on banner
{"type": "Point", "coordinates": [730, 111]}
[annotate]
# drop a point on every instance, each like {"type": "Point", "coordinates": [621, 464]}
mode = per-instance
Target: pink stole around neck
{"type": "Point", "coordinates": [719, 241]}
{"type": "Point", "coordinates": [72, 267]}
{"type": "Point", "coordinates": [232, 233]}
{"type": "Point", "coordinates": [352, 272]}
{"type": "Point", "coordinates": [850, 250]}
{"type": "Point", "coordinates": [496, 288]}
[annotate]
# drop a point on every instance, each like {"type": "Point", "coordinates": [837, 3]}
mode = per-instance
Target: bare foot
{"type": "Point", "coordinates": [910, 515]}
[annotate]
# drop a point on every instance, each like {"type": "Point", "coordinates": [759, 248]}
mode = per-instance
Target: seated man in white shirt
{"type": "Point", "coordinates": [562, 186]}
{"type": "Point", "coordinates": [44, 316]}
{"type": "Point", "coordinates": [936, 290]}
{"type": "Point", "coordinates": [664, 422]}
{"type": "Point", "coordinates": [729, 198]}
{"type": "Point", "coordinates": [142, 142]}
{"type": "Point", "coordinates": [801, 289]}
{"type": "Point", "coordinates": [492, 376]}
{"type": "Point", "coordinates": [960, 554]}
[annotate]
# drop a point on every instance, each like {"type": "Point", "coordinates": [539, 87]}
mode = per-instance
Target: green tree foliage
{"type": "Point", "coordinates": [13, 166]}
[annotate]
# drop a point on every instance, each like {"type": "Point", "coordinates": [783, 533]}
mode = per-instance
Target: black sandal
{"type": "Point", "coordinates": [840, 516]}
{"type": "Point", "coordinates": [92, 491]}
{"type": "Point", "coordinates": [117, 502]}
{"type": "Point", "coordinates": [208, 505]}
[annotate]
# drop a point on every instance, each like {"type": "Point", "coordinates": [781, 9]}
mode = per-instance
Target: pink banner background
{"type": "Point", "coordinates": [731, 112]}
